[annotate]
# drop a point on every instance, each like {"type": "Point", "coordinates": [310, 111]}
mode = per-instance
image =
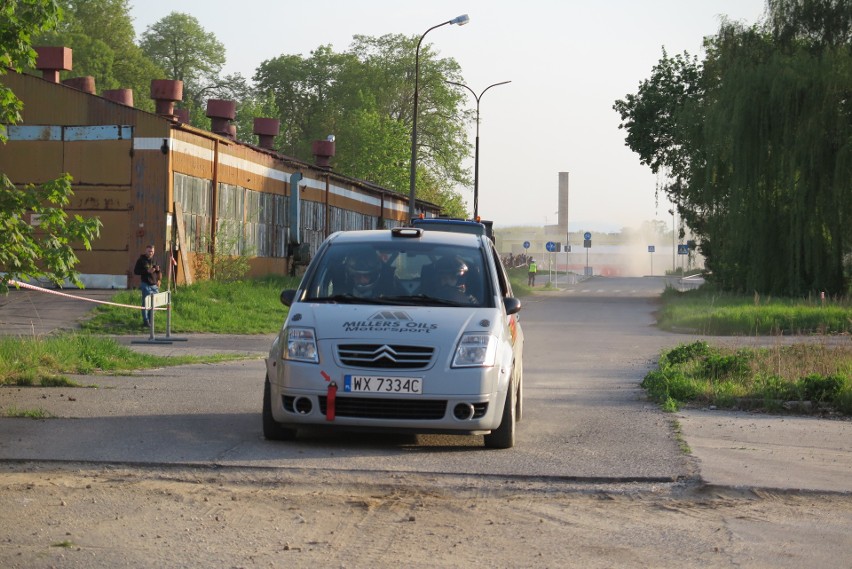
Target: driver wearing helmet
{"type": "Point", "coordinates": [450, 275]}
{"type": "Point", "coordinates": [365, 275]}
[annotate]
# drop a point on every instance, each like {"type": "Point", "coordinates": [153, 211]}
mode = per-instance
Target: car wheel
{"type": "Point", "coordinates": [272, 429]}
{"type": "Point", "coordinates": [504, 435]}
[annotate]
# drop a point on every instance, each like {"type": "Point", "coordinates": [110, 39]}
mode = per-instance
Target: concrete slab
{"type": "Point", "coordinates": [769, 451]}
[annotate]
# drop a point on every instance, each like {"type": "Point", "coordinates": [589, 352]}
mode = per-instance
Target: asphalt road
{"type": "Point", "coordinates": [585, 417]}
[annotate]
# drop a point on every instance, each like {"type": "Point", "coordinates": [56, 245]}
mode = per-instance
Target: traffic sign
{"type": "Point", "coordinates": [526, 244]}
{"type": "Point", "coordinates": [587, 243]}
{"type": "Point", "coordinates": [651, 248]}
{"type": "Point", "coordinates": [550, 246]}
{"type": "Point", "coordinates": [683, 249]}
{"type": "Point", "coordinates": [587, 235]}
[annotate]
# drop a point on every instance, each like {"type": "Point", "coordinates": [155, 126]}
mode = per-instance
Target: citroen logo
{"type": "Point", "coordinates": [385, 352]}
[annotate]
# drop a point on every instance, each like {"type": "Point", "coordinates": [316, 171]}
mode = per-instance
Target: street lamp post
{"type": "Point", "coordinates": [672, 212]}
{"type": "Point", "coordinates": [476, 152]}
{"type": "Point", "coordinates": [458, 20]}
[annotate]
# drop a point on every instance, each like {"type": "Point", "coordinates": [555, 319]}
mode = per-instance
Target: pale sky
{"type": "Point", "coordinates": [568, 61]}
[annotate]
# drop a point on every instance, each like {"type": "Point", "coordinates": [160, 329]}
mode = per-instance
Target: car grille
{"type": "Point", "coordinates": [384, 356]}
{"type": "Point", "coordinates": [381, 408]}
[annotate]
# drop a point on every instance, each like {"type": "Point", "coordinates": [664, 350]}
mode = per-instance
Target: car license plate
{"type": "Point", "coordinates": [373, 384]}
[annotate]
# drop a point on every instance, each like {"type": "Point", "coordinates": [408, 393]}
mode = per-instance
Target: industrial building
{"type": "Point", "coordinates": [152, 178]}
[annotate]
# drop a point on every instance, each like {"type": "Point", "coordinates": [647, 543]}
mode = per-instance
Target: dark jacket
{"type": "Point", "coordinates": [148, 270]}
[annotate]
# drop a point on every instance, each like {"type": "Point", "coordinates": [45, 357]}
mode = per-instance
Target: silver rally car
{"type": "Point", "coordinates": [401, 330]}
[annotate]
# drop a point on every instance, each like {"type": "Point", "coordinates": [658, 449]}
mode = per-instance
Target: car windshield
{"type": "Point", "coordinates": [400, 272]}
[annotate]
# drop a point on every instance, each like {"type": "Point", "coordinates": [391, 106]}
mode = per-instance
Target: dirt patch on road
{"type": "Point", "coordinates": [97, 516]}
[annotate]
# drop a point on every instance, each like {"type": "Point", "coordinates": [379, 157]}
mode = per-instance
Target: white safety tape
{"type": "Point", "coordinates": [57, 293]}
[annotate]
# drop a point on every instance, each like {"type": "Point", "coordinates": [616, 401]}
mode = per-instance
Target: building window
{"type": "Point", "coordinates": [195, 197]}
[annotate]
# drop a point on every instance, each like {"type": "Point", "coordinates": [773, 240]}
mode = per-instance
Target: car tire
{"type": "Point", "coordinates": [272, 429]}
{"type": "Point", "coordinates": [520, 413]}
{"type": "Point", "coordinates": [504, 435]}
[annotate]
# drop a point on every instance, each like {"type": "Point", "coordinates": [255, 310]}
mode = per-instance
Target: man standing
{"type": "Point", "coordinates": [149, 271]}
{"type": "Point", "coordinates": [532, 271]}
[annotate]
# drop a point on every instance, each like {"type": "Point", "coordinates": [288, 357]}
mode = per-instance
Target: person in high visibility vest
{"type": "Point", "coordinates": [532, 271]}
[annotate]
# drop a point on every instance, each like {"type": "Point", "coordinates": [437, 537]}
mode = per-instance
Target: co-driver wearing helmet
{"type": "Point", "coordinates": [450, 273]}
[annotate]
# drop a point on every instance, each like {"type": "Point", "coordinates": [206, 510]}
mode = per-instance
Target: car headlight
{"type": "Point", "coordinates": [475, 350]}
{"type": "Point", "coordinates": [301, 345]}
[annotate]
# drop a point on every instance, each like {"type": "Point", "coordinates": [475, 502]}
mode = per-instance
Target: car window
{"type": "Point", "coordinates": [502, 277]}
{"type": "Point", "coordinates": [401, 271]}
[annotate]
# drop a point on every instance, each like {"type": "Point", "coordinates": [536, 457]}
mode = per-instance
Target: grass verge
{"type": "Point", "coordinates": [802, 378]}
{"type": "Point", "coordinates": [42, 361]}
{"type": "Point", "coordinates": [518, 278]}
{"type": "Point", "coordinates": [244, 307]}
{"type": "Point", "coordinates": [707, 311]}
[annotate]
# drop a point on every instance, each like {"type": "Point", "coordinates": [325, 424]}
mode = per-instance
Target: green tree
{"type": "Point", "coordinates": [101, 34]}
{"type": "Point", "coordinates": [304, 91]}
{"type": "Point", "coordinates": [756, 146]}
{"type": "Point", "coordinates": [187, 52]}
{"type": "Point", "coordinates": [36, 236]}
{"type": "Point", "coordinates": [19, 21]}
{"type": "Point", "coordinates": [364, 97]}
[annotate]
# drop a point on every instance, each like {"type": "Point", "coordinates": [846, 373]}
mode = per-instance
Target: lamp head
{"type": "Point", "coordinates": [460, 20]}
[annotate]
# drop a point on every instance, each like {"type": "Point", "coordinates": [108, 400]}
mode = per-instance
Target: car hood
{"type": "Point", "coordinates": [392, 323]}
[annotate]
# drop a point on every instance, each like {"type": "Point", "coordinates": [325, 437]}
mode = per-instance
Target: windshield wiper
{"type": "Point", "coordinates": [349, 299]}
{"type": "Point", "coordinates": [400, 300]}
{"type": "Point", "coordinates": [422, 300]}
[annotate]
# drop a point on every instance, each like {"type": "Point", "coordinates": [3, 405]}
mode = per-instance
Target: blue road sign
{"type": "Point", "coordinates": [651, 248]}
{"type": "Point", "coordinates": [587, 235]}
{"type": "Point", "coordinates": [683, 249]}
{"type": "Point", "coordinates": [550, 246]}
{"type": "Point", "coordinates": [526, 244]}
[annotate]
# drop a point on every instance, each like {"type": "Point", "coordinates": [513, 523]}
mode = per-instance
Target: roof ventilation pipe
{"type": "Point", "coordinates": [85, 84]}
{"type": "Point", "coordinates": [182, 115]}
{"type": "Point", "coordinates": [51, 60]}
{"type": "Point", "coordinates": [221, 112]}
{"type": "Point", "coordinates": [266, 130]}
{"type": "Point", "coordinates": [323, 151]}
{"type": "Point", "coordinates": [165, 93]}
{"type": "Point", "coordinates": [121, 96]}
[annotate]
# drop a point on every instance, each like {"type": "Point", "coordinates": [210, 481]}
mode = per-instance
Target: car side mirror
{"type": "Point", "coordinates": [288, 296]}
{"type": "Point", "coordinates": [512, 305]}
